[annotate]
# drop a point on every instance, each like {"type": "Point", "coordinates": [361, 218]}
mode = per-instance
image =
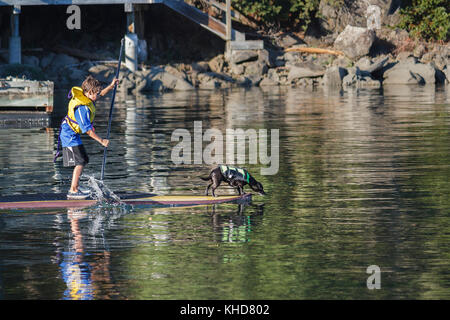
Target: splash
{"type": "Point", "coordinates": [102, 193]}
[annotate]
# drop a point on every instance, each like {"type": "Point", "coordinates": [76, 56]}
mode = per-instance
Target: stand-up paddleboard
{"type": "Point", "coordinates": [59, 200]}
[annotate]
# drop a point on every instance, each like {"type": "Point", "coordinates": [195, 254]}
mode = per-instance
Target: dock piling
{"type": "Point", "coordinates": [131, 40]}
{"type": "Point", "coordinates": [15, 54]}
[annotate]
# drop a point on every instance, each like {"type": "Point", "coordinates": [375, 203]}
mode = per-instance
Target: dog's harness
{"type": "Point", "coordinates": [235, 173]}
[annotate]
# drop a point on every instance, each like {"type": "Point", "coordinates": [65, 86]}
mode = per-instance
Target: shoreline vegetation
{"type": "Point", "coordinates": [334, 43]}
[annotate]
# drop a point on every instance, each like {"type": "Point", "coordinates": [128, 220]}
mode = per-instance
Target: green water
{"type": "Point", "coordinates": [363, 180]}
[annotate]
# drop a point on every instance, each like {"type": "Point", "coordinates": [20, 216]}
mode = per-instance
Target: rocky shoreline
{"type": "Point", "coordinates": [357, 57]}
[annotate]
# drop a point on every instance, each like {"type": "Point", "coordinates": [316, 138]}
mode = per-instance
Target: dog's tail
{"type": "Point", "coordinates": [205, 178]}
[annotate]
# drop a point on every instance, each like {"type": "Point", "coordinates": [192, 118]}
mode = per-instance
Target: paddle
{"type": "Point", "coordinates": [111, 110]}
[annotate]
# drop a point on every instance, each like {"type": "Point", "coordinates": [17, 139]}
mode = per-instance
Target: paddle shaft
{"type": "Point", "coordinates": [111, 110]}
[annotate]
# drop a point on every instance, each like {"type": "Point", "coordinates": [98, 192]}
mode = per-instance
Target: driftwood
{"type": "Point", "coordinates": [315, 50]}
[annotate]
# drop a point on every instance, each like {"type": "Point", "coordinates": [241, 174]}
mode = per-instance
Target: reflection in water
{"type": "Point", "coordinates": [76, 273]}
{"type": "Point", "coordinates": [363, 180]}
{"type": "Point", "coordinates": [84, 260]}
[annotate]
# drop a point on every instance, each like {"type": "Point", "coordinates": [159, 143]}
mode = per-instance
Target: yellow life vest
{"type": "Point", "coordinates": [77, 99]}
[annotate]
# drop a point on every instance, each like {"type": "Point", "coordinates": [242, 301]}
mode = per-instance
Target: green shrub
{"type": "Point", "coordinates": [427, 19]}
{"type": "Point", "coordinates": [283, 13]}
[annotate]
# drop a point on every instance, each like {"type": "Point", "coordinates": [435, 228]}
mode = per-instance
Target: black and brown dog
{"type": "Point", "coordinates": [235, 177]}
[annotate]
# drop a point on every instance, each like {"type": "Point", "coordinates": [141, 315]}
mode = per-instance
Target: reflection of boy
{"type": "Point", "coordinates": [80, 115]}
{"type": "Point", "coordinates": [75, 272]}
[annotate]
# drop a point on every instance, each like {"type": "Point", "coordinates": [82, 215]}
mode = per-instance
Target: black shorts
{"type": "Point", "coordinates": [75, 156]}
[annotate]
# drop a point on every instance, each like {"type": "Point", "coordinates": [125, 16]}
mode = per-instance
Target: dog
{"type": "Point", "coordinates": [235, 177]}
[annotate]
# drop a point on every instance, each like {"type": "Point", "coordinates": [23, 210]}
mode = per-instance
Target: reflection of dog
{"type": "Point", "coordinates": [236, 178]}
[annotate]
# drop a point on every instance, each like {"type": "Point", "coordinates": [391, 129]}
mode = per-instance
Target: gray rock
{"type": "Point", "coordinates": [268, 82]}
{"type": "Point", "coordinates": [103, 73]}
{"type": "Point", "coordinates": [342, 62]}
{"type": "Point", "coordinates": [30, 60]}
{"type": "Point", "coordinates": [241, 56]}
{"type": "Point", "coordinates": [377, 65]}
{"type": "Point", "coordinates": [264, 57]}
{"type": "Point", "coordinates": [355, 42]}
{"type": "Point", "coordinates": [305, 70]}
{"type": "Point", "coordinates": [333, 76]}
{"type": "Point", "coordinates": [255, 68]}
{"type": "Point", "coordinates": [364, 63]}
{"type": "Point", "coordinates": [359, 79]}
{"type": "Point", "coordinates": [273, 75]}
{"type": "Point", "coordinates": [47, 60]}
{"type": "Point", "coordinates": [404, 55]}
{"type": "Point", "coordinates": [166, 81]}
{"type": "Point", "coordinates": [287, 40]}
{"type": "Point", "coordinates": [419, 51]}
{"type": "Point", "coordinates": [447, 73]}
{"type": "Point", "coordinates": [62, 61]}
{"type": "Point", "coordinates": [209, 82]}
{"type": "Point", "coordinates": [201, 66]}
{"type": "Point", "coordinates": [292, 57]}
{"type": "Point", "coordinates": [157, 79]}
{"type": "Point", "coordinates": [217, 63]}
{"type": "Point", "coordinates": [76, 75]}
{"type": "Point", "coordinates": [409, 71]}
{"type": "Point", "coordinates": [403, 76]}
{"type": "Point", "coordinates": [335, 15]}
{"type": "Point", "coordinates": [212, 80]}
{"type": "Point", "coordinates": [237, 69]}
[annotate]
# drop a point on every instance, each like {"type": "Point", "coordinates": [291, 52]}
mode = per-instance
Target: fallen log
{"type": "Point", "coordinates": [314, 50]}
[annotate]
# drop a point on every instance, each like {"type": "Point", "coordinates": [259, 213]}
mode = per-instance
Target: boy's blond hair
{"type": "Point", "coordinates": [90, 84]}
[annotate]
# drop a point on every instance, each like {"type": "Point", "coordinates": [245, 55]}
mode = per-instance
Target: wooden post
{"type": "Point", "coordinates": [131, 40]}
{"type": "Point", "coordinates": [15, 50]}
{"type": "Point", "coordinates": [228, 20]}
{"type": "Point", "coordinates": [130, 17]}
{"type": "Point", "coordinates": [228, 28]}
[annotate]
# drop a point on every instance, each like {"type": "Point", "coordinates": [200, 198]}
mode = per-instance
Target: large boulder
{"type": "Point", "coordinates": [447, 73]}
{"type": "Point", "coordinates": [31, 60]}
{"type": "Point", "coordinates": [103, 73]}
{"type": "Point", "coordinates": [333, 76]}
{"type": "Point", "coordinates": [241, 56]}
{"type": "Point", "coordinates": [359, 79]}
{"type": "Point", "coordinates": [46, 60]}
{"type": "Point", "coordinates": [409, 71]}
{"type": "Point", "coordinates": [217, 63]}
{"type": "Point", "coordinates": [212, 80]}
{"type": "Point", "coordinates": [61, 61]}
{"type": "Point", "coordinates": [158, 79]}
{"type": "Point", "coordinates": [366, 64]}
{"type": "Point", "coordinates": [76, 75]}
{"type": "Point", "coordinates": [305, 70]}
{"type": "Point", "coordinates": [336, 15]}
{"type": "Point", "coordinates": [355, 42]}
{"type": "Point", "coordinates": [255, 70]}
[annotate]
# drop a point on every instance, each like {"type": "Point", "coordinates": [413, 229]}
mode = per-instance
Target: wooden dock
{"type": "Point", "coordinates": [20, 95]}
{"type": "Point", "coordinates": [235, 40]}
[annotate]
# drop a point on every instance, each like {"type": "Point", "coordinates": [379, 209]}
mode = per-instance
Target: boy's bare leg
{"type": "Point", "coordinates": [76, 178]}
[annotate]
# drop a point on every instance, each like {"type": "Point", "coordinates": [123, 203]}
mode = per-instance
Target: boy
{"type": "Point", "coordinates": [80, 115]}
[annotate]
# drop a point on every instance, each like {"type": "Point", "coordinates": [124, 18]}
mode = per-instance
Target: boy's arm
{"type": "Point", "coordinates": [110, 87]}
{"type": "Point", "coordinates": [82, 115]}
{"type": "Point", "coordinates": [93, 135]}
